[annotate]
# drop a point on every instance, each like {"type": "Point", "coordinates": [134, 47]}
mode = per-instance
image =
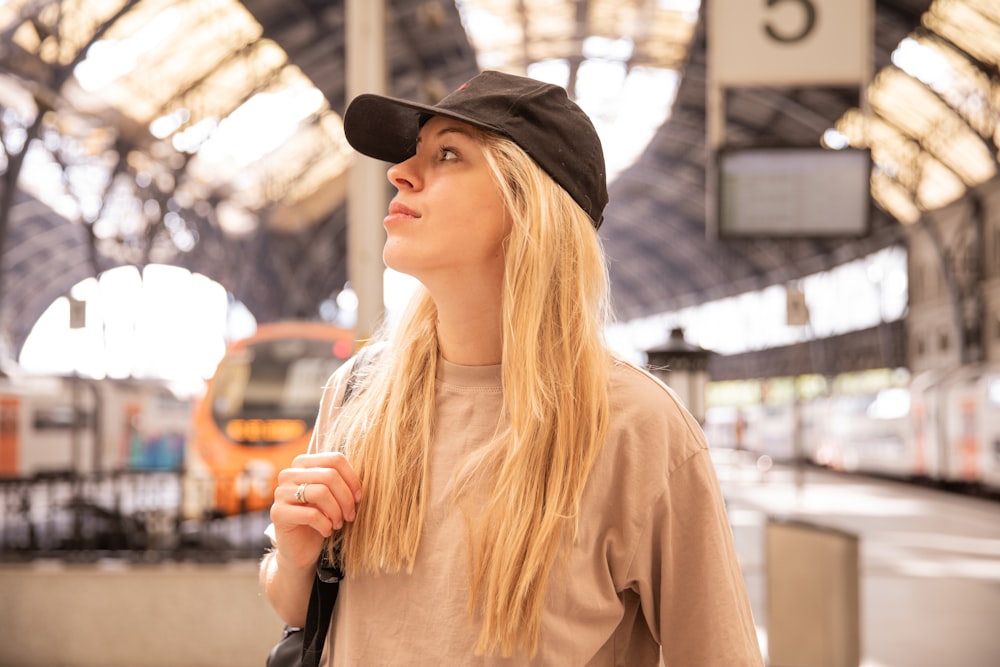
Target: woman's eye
{"type": "Point", "coordinates": [445, 154]}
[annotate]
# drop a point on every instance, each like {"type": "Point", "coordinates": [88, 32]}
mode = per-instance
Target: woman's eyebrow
{"type": "Point", "coordinates": [448, 129]}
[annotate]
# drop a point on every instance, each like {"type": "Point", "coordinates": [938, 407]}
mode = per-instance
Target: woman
{"type": "Point", "coordinates": [501, 489]}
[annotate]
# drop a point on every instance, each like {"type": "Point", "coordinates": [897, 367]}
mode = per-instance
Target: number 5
{"type": "Point", "coordinates": [807, 26]}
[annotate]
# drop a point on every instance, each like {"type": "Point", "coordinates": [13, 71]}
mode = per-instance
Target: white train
{"type": "Point", "coordinates": [69, 425]}
{"type": "Point", "coordinates": [942, 427]}
{"type": "Point", "coordinates": [955, 426]}
{"type": "Point", "coordinates": [89, 465]}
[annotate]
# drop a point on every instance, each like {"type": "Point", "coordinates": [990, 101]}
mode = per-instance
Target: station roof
{"type": "Point", "coordinates": [207, 135]}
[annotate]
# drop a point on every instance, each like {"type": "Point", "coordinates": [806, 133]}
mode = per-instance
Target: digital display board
{"type": "Point", "coordinates": [793, 192]}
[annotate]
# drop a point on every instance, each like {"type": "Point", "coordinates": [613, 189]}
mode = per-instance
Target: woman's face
{"type": "Point", "coordinates": [448, 221]}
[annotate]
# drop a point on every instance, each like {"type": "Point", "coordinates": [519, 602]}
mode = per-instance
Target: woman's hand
{"type": "Point", "coordinates": [313, 498]}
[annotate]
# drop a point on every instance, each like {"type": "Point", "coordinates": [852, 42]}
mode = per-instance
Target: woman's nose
{"type": "Point", "coordinates": [403, 175]}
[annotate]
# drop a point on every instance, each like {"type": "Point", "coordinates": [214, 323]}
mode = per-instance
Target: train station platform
{"type": "Point", "coordinates": [926, 577]}
{"type": "Point", "coordinates": [928, 561]}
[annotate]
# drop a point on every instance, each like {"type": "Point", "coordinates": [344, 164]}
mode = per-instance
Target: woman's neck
{"type": "Point", "coordinates": [469, 328]}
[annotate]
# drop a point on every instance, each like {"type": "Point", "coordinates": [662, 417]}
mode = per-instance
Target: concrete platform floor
{"type": "Point", "coordinates": [929, 561]}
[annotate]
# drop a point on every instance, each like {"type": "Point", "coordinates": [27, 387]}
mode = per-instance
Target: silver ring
{"type": "Point", "coordinates": [300, 494]}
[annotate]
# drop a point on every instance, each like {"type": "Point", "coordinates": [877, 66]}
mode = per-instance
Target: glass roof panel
{"type": "Point", "coordinates": [972, 25]}
{"type": "Point", "coordinates": [217, 31]}
{"type": "Point", "coordinates": [547, 30]}
{"type": "Point", "coordinates": [923, 116]}
{"type": "Point", "coordinates": [894, 198]}
{"type": "Point", "coordinates": [497, 31]}
{"type": "Point", "coordinates": [298, 151]}
{"type": "Point", "coordinates": [995, 104]}
{"type": "Point", "coordinates": [963, 86]}
{"type": "Point", "coordinates": [620, 60]}
{"type": "Point", "coordinates": [182, 78]}
{"type": "Point", "coordinates": [925, 180]}
{"type": "Point", "coordinates": [660, 32]}
{"type": "Point", "coordinates": [938, 185]}
{"type": "Point", "coordinates": [190, 77]}
{"type": "Point", "coordinates": [930, 121]}
{"type": "Point", "coordinates": [66, 28]}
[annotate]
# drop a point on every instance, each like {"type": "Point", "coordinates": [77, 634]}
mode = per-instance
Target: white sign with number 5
{"type": "Point", "coordinates": [790, 42]}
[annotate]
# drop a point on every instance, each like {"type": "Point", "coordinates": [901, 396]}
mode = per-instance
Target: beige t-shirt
{"type": "Point", "coordinates": [654, 562]}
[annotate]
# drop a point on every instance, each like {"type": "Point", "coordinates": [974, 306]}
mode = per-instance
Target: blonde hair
{"type": "Point", "coordinates": [555, 402]}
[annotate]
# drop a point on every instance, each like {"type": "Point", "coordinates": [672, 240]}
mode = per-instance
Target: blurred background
{"type": "Point", "coordinates": [803, 241]}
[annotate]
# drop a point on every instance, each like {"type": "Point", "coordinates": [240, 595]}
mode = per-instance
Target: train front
{"type": "Point", "coordinates": [258, 413]}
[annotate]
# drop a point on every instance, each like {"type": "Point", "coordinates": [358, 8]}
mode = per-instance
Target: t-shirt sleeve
{"type": "Point", "coordinates": [691, 588]}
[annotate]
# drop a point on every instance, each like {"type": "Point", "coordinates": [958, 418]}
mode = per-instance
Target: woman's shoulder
{"type": "Point", "coordinates": [351, 373]}
{"type": "Point", "coordinates": [647, 414]}
{"type": "Point", "coordinates": [653, 448]}
{"type": "Point", "coordinates": [630, 384]}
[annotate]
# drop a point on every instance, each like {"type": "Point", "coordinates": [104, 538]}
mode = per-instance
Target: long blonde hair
{"type": "Point", "coordinates": [554, 377]}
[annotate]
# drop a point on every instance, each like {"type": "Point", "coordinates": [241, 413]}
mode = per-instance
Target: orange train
{"type": "Point", "coordinates": [258, 413]}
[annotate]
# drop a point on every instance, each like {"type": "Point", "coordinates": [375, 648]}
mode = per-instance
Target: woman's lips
{"type": "Point", "coordinates": [398, 213]}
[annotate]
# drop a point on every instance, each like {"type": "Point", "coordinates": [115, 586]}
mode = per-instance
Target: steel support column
{"type": "Point", "coordinates": [367, 200]}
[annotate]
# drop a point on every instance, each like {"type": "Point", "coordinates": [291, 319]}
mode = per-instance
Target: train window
{"type": "Point", "coordinates": [993, 392]}
{"type": "Point", "coordinates": [893, 403]}
{"type": "Point", "coordinates": [274, 380]}
{"type": "Point", "coordinates": [230, 384]}
{"type": "Point", "coordinates": [60, 417]}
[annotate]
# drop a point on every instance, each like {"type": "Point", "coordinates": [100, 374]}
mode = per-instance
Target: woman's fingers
{"type": "Point", "coordinates": [333, 496]}
{"type": "Point", "coordinates": [323, 489]}
{"type": "Point", "coordinates": [293, 518]}
{"type": "Point", "coordinates": [333, 461]}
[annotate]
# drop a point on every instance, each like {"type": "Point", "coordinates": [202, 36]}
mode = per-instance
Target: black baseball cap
{"type": "Point", "coordinates": [539, 117]}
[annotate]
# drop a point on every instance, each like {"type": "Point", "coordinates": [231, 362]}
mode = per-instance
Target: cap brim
{"type": "Point", "coordinates": [386, 128]}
